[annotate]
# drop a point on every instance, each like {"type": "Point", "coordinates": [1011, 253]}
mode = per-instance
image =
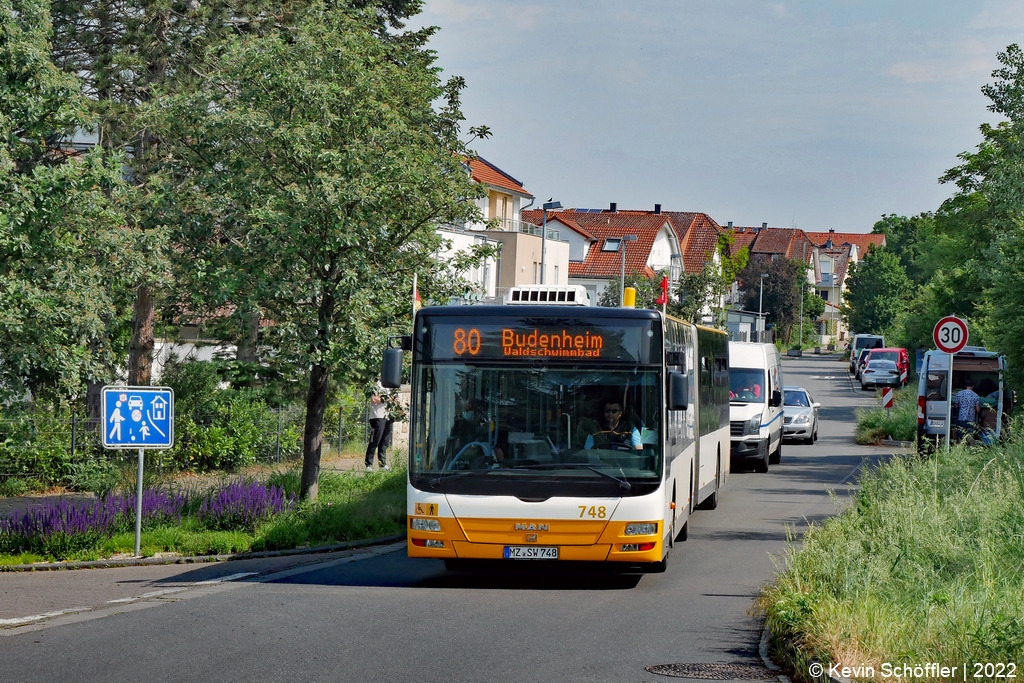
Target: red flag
{"type": "Point", "coordinates": [663, 297]}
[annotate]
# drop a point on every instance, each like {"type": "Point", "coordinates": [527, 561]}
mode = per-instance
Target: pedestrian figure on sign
{"type": "Point", "coordinates": [144, 430]}
{"type": "Point", "coordinates": [116, 418]}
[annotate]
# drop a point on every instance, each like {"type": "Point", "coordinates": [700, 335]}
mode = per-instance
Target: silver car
{"type": "Point", "coordinates": [799, 415]}
{"type": "Point", "coordinates": [880, 373]}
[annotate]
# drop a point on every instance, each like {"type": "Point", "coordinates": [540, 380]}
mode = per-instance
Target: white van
{"type": "Point", "coordinates": [859, 342]}
{"type": "Point", "coordinates": [755, 404]}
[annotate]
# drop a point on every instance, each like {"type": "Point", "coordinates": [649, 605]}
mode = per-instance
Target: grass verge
{"type": "Point", "coordinates": [925, 565]}
{"type": "Point", "coordinates": [899, 422]}
{"type": "Point", "coordinates": [350, 507]}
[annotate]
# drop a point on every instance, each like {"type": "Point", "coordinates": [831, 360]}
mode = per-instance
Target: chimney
{"type": "Point", "coordinates": [832, 230]}
{"type": "Point", "coordinates": [730, 225]}
{"type": "Point", "coordinates": [612, 207]}
{"type": "Point", "coordinates": [764, 225]}
{"type": "Point", "coordinates": [657, 209]}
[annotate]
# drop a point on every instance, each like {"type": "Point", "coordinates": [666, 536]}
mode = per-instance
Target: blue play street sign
{"type": "Point", "coordinates": [138, 417]}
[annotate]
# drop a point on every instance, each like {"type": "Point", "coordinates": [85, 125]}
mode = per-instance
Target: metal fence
{"type": "Point", "coordinates": [50, 447]}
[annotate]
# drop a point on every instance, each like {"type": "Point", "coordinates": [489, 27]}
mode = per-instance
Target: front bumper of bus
{"type": "Point", "coordinates": [751, 448]}
{"type": "Point", "coordinates": [611, 545]}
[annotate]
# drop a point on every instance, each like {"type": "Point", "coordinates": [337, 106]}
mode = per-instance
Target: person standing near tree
{"type": "Point", "coordinates": [380, 431]}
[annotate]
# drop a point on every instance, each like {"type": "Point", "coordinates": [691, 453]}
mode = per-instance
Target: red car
{"type": "Point", "coordinates": [899, 356]}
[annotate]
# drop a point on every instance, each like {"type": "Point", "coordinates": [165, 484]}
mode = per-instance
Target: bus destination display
{"type": "Point", "coordinates": [479, 340]}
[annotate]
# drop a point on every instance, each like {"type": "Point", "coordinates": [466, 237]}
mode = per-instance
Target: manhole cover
{"type": "Point", "coordinates": [713, 672]}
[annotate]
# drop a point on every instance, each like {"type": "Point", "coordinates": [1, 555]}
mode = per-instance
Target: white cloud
{"type": "Point", "coordinates": [961, 60]}
{"type": "Point", "coordinates": [1001, 15]}
{"type": "Point", "coordinates": [525, 18]}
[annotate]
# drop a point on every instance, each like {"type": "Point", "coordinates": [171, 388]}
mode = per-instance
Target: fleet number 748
{"type": "Point", "coordinates": [598, 512]}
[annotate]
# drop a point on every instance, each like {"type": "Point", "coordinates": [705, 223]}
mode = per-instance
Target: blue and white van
{"type": "Point", "coordinates": [755, 404]}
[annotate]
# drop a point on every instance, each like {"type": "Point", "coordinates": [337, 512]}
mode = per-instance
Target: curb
{"type": "Point", "coordinates": [762, 651]}
{"type": "Point", "coordinates": [897, 444]}
{"type": "Point", "coordinates": [194, 559]}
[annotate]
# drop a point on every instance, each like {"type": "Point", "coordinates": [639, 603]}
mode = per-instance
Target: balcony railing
{"type": "Point", "coordinates": [510, 225]}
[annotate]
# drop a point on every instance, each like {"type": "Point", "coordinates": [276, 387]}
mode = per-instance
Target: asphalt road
{"type": "Point", "coordinates": [376, 615]}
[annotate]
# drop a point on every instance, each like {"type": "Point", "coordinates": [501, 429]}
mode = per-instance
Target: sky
{"type": "Point", "coordinates": [814, 114]}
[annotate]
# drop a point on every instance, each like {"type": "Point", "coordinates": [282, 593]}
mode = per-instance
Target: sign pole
{"type": "Point", "coordinates": [138, 506]}
{"type": "Point", "coordinates": [949, 403]}
{"type": "Point", "coordinates": [950, 336]}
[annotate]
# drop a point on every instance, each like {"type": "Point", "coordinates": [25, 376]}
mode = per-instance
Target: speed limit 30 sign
{"type": "Point", "coordinates": [950, 334]}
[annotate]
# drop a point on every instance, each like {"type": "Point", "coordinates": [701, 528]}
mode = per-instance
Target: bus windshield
{"type": "Point", "coordinates": [536, 431]}
{"type": "Point", "coordinates": [746, 385]}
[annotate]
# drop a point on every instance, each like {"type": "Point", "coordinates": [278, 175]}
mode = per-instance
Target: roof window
{"type": "Point", "coordinates": [611, 244]}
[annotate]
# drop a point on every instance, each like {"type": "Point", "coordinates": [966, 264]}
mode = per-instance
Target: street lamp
{"type": "Point", "coordinates": [547, 206]}
{"type": "Point", "coordinates": [760, 308]}
{"type": "Point", "coordinates": [622, 282]}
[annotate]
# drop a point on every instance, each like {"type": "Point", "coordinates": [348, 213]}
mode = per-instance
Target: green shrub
{"type": "Point", "coordinates": [13, 487]}
{"type": "Point", "coordinates": [215, 427]}
{"type": "Point", "coordinates": [899, 422]}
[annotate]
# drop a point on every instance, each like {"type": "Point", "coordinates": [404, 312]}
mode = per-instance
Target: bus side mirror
{"type": "Point", "coordinates": [776, 398]}
{"type": "Point", "coordinates": [391, 370]}
{"type": "Point", "coordinates": [678, 391]}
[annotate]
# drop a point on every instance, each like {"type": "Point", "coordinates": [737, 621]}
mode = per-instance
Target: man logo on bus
{"type": "Point", "coordinates": [531, 527]}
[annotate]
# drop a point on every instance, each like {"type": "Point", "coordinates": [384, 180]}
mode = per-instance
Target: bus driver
{"type": "Point", "coordinates": [616, 433]}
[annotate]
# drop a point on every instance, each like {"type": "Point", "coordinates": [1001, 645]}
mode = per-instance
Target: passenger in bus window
{"type": "Point", "coordinates": [615, 433]}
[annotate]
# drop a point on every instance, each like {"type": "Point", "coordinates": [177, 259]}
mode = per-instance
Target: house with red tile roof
{"type": "Point", "coordinates": [862, 240]}
{"type": "Point", "coordinates": [598, 250]}
{"type": "Point", "coordinates": [502, 226]}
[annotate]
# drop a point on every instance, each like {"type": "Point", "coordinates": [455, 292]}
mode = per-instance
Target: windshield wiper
{"type": "Point", "coordinates": [456, 474]}
{"type": "Point", "coordinates": [623, 484]}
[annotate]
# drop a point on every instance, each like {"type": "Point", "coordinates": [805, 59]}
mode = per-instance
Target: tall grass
{"type": "Point", "coordinates": [926, 565]}
{"type": "Point", "coordinates": [899, 422]}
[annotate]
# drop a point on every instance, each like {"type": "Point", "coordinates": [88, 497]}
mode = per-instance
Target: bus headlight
{"type": "Point", "coordinates": [753, 426]}
{"type": "Point", "coordinates": [644, 529]}
{"type": "Point", "coordinates": [426, 525]}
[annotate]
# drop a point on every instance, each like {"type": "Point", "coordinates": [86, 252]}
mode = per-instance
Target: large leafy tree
{"type": "Point", "coordinates": [878, 288]}
{"type": "Point", "coordinates": [312, 166]}
{"type": "Point", "coordinates": [128, 51]}
{"type": "Point", "coordinates": [781, 294]}
{"type": "Point", "coordinates": [65, 257]}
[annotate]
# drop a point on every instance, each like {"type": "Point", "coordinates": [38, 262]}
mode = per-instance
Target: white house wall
{"type": "Point", "coordinates": [578, 244]}
{"type": "Point", "coordinates": [665, 244]}
{"type": "Point", "coordinates": [484, 276]}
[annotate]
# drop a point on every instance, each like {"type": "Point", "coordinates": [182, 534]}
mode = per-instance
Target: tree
{"type": "Point", "coordinates": [700, 291]}
{"type": "Point", "coordinates": [697, 292]}
{"type": "Point", "coordinates": [65, 257]}
{"type": "Point", "coordinates": [877, 292]}
{"type": "Point", "coordinates": [312, 168]}
{"type": "Point", "coordinates": [781, 290]}
{"type": "Point", "coordinates": [648, 289]}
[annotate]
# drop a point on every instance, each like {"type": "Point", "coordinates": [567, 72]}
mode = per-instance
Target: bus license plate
{"type": "Point", "coordinates": [530, 552]}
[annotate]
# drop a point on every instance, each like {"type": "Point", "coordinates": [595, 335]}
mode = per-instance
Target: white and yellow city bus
{"type": "Point", "coordinates": [556, 431]}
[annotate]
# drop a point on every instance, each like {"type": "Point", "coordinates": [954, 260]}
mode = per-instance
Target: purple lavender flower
{"type": "Point", "coordinates": [62, 525]}
{"type": "Point", "coordinates": [242, 505]}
